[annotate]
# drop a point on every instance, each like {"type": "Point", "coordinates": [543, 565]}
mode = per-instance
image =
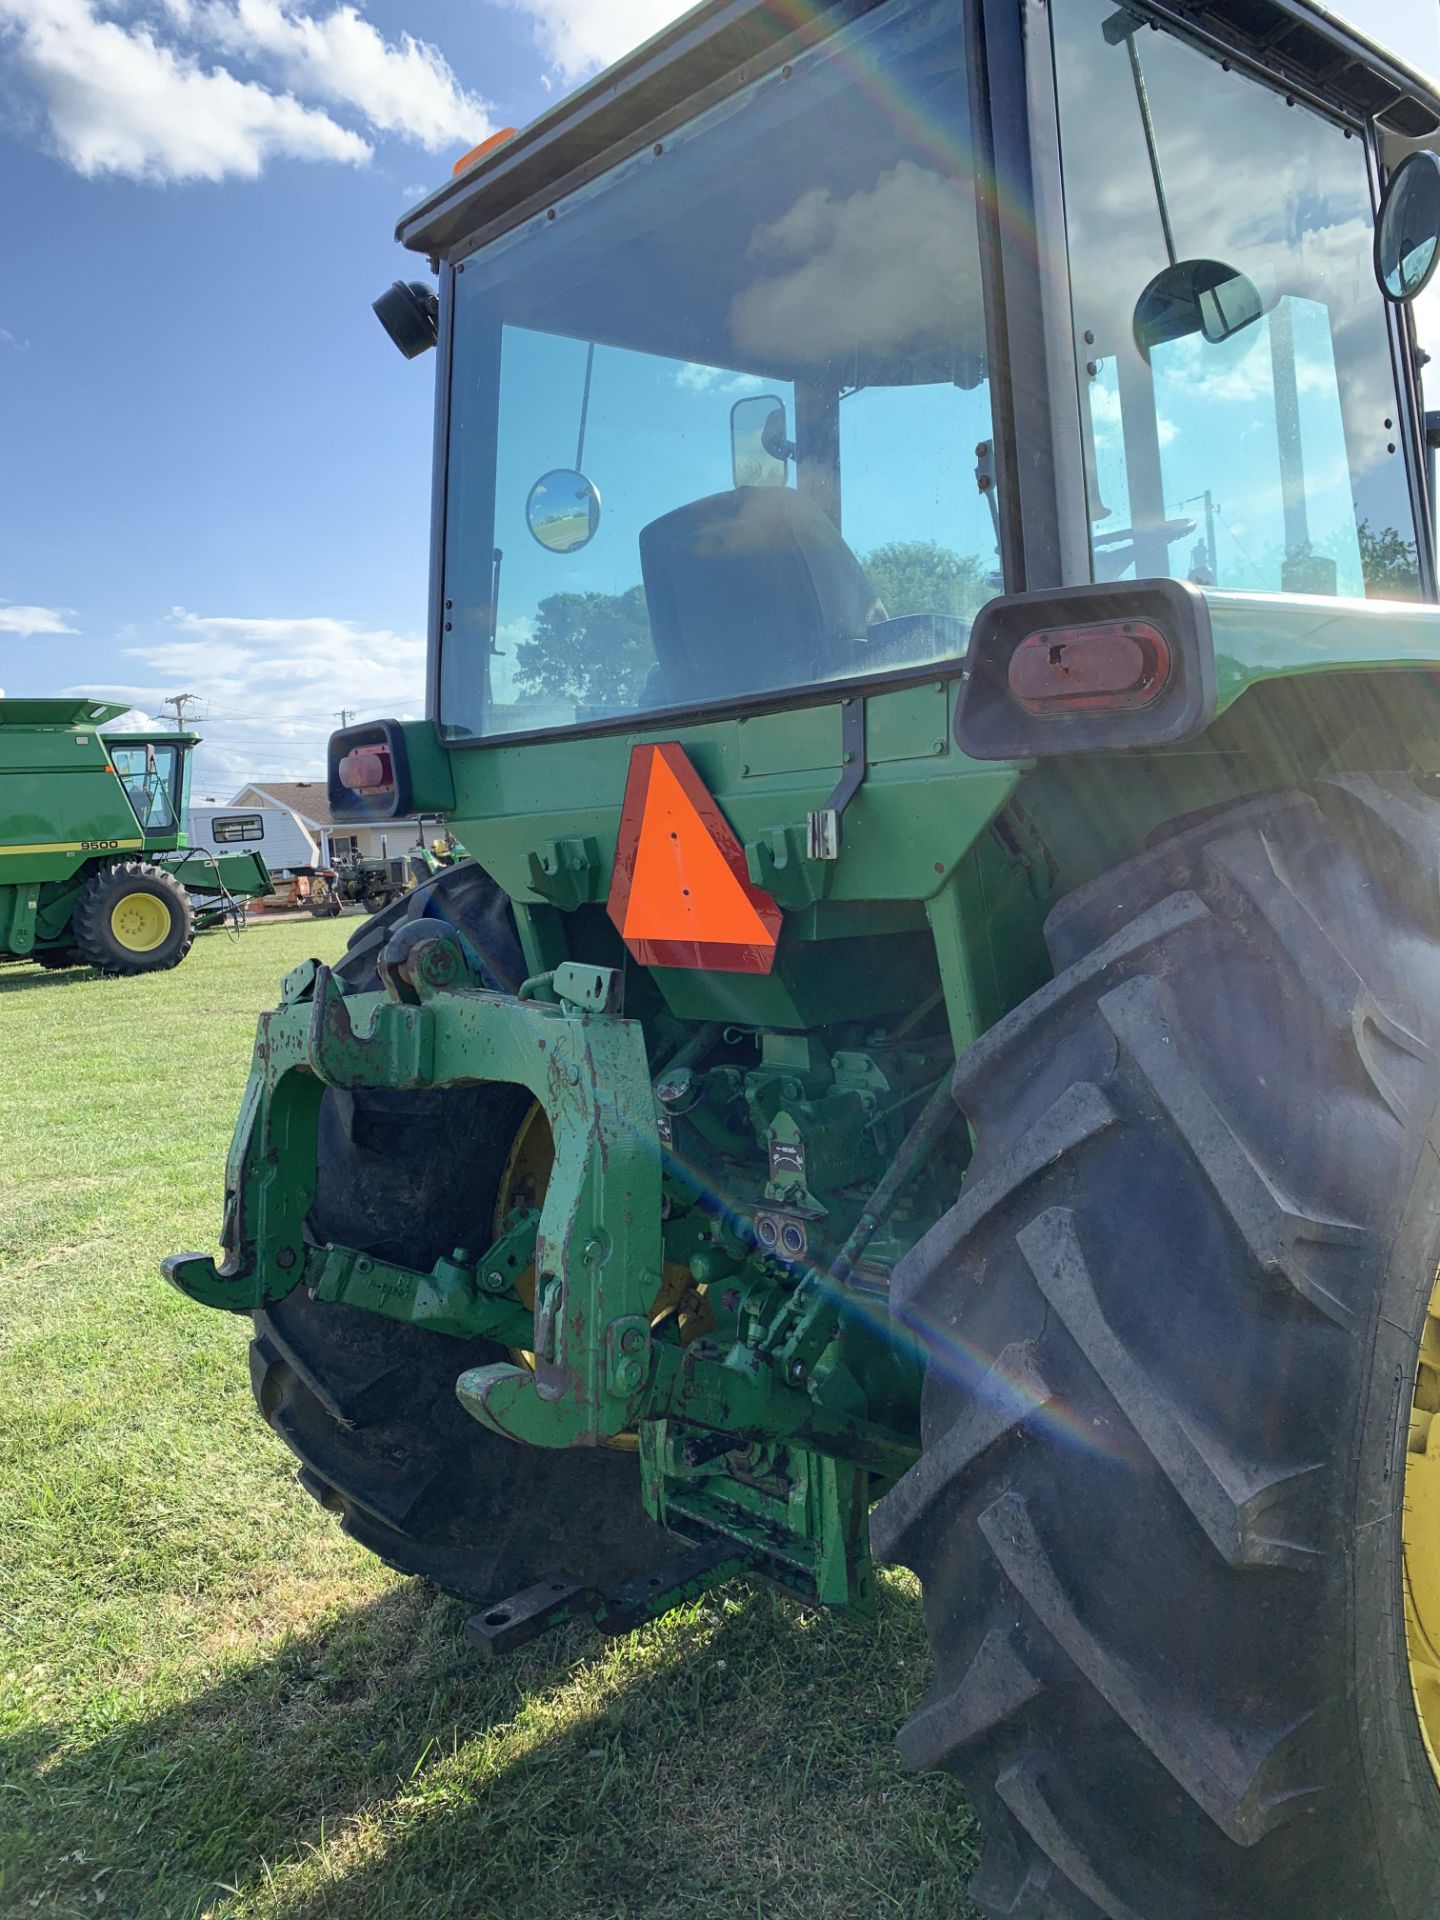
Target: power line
{"type": "Point", "coordinates": [180, 701]}
{"type": "Point", "coordinates": [411, 698]}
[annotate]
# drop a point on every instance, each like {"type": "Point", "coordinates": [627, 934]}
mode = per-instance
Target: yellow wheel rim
{"type": "Point", "coordinates": [523, 1183]}
{"type": "Point", "coordinates": [139, 922]}
{"type": "Point", "coordinates": [1422, 1534]}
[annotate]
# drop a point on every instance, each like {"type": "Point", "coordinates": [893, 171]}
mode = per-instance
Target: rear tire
{"type": "Point", "coordinates": [133, 918]}
{"type": "Point", "coordinates": [1173, 1324]}
{"type": "Point", "coordinates": [367, 1404]}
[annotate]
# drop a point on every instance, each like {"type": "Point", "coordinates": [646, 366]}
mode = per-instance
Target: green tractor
{"type": "Point", "coordinates": [95, 869]}
{"type": "Point", "coordinates": [378, 880]}
{"type": "Point", "coordinates": [937, 1054]}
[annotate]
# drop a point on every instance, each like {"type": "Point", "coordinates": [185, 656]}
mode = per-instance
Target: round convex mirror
{"type": "Point", "coordinates": [1195, 296]}
{"type": "Point", "coordinates": [1407, 234]}
{"type": "Point", "coordinates": [563, 511]}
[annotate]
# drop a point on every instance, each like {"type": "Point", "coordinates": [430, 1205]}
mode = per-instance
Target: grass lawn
{"type": "Point", "coordinates": [212, 1703]}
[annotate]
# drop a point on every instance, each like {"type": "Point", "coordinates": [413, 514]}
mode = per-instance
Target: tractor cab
{"type": "Point", "coordinates": [154, 770]}
{"type": "Point", "coordinates": [915, 307]}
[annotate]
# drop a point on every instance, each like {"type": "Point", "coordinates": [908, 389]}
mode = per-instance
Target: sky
{"type": "Point", "coordinates": [215, 472]}
{"type": "Point", "coordinates": [216, 468]}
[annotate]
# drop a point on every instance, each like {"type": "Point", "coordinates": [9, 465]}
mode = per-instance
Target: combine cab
{"type": "Point", "coordinates": [94, 866]}
{"type": "Point", "coordinates": [934, 653]}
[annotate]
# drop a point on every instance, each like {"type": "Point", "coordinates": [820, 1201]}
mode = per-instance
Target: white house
{"type": "Point", "coordinates": [307, 802]}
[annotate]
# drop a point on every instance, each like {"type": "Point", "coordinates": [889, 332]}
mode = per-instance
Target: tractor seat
{"type": "Point", "coordinates": [749, 590]}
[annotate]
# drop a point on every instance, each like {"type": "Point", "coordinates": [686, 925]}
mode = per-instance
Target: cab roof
{"type": "Point", "coordinates": [157, 737]}
{"type": "Point", "coordinates": [59, 713]}
{"type": "Point", "coordinates": [721, 44]}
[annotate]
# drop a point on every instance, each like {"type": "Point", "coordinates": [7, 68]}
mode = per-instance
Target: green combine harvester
{"type": "Point", "coordinates": [95, 869]}
{"type": "Point", "coordinates": [937, 1056]}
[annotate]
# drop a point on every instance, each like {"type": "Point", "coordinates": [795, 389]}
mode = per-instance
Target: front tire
{"type": "Point", "coordinates": [1174, 1323]}
{"type": "Point", "coordinates": [132, 918]}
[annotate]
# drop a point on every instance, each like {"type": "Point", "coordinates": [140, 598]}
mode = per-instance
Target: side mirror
{"type": "Point", "coordinates": [1195, 296]}
{"type": "Point", "coordinates": [410, 314]}
{"type": "Point", "coordinates": [760, 449]}
{"type": "Point", "coordinates": [1407, 233]}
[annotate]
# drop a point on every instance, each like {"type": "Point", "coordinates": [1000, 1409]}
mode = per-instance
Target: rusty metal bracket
{"type": "Point", "coordinates": [598, 1251]}
{"type": "Point", "coordinates": [822, 827]}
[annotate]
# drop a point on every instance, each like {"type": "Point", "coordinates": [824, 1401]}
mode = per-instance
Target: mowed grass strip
{"type": "Point", "coordinates": [211, 1703]}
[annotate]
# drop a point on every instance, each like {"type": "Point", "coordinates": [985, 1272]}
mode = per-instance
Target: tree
{"type": "Point", "coordinates": [920, 576]}
{"type": "Point", "coordinates": [593, 648]}
{"type": "Point", "coordinates": [1391, 569]}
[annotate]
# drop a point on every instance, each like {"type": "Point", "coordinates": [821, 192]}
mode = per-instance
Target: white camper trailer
{"type": "Point", "coordinates": [272, 832]}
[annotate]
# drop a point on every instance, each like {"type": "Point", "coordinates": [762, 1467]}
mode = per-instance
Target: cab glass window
{"type": "Point", "coordinates": [148, 776]}
{"type": "Point", "coordinates": [237, 826]}
{"type": "Point", "coordinates": [713, 427]}
{"type": "Point", "coordinates": [1237, 391]}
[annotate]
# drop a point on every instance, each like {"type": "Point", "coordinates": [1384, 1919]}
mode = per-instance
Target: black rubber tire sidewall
{"type": "Point", "coordinates": [1154, 1722]}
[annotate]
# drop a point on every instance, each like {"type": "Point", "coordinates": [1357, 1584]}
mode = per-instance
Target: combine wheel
{"type": "Point", "coordinates": [1178, 1517]}
{"type": "Point", "coordinates": [133, 918]}
{"type": "Point", "coordinates": [367, 1405]}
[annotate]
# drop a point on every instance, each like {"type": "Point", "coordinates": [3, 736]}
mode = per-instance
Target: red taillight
{"type": "Point", "coordinates": [1115, 664]}
{"type": "Point", "coordinates": [364, 769]}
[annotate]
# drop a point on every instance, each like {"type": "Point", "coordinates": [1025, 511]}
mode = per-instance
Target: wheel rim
{"type": "Point", "coordinates": [1422, 1534]}
{"type": "Point", "coordinates": [139, 922]}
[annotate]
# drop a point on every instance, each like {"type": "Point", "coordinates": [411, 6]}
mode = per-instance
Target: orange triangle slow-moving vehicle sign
{"type": "Point", "coordinates": [681, 895]}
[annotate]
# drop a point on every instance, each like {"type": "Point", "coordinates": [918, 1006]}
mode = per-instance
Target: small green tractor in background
{"type": "Point", "coordinates": [934, 652]}
{"type": "Point", "coordinates": [378, 880]}
{"type": "Point", "coordinates": [94, 865]}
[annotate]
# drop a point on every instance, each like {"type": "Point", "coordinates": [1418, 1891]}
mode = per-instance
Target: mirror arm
{"type": "Point", "coordinates": [986, 484]}
{"type": "Point", "coordinates": [584, 409]}
{"type": "Point", "coordinates": [1142, 96]}
{"type": "Point", "coordinates": [1124, 25]}
{"type": "Point", "coordinates": [495, 600]}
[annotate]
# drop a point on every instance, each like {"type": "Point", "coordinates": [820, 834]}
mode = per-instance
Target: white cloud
{"type": "Point", "coordinates": [694, 377]}
{"type": "Point", "coordinates": [404, 87]}
{"type": "Point", "coordinates": [510, 637]}
{"type": "Point", "coordinates": [270, 689]}
{"type": "Point", "coordinates": [889, 269]}
{"type": "Point", "coordinates": [169, 98]}
{"type": "Point", "coordinates": [119, 101]}
{"type": "Point", "coordinates": [137, 720]}
{"type": "Point", "coordinates": [27, 620]}
{"type": "Point", "coordinates": [580, 35]}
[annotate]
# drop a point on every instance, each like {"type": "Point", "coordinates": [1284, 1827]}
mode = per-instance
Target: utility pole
{"type": "Point", "coordinates": [345, 716]}
{"type": "Point", "coordinates": [1212, 557]}
{"type": "Point", "coordinates": [180, 701]}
